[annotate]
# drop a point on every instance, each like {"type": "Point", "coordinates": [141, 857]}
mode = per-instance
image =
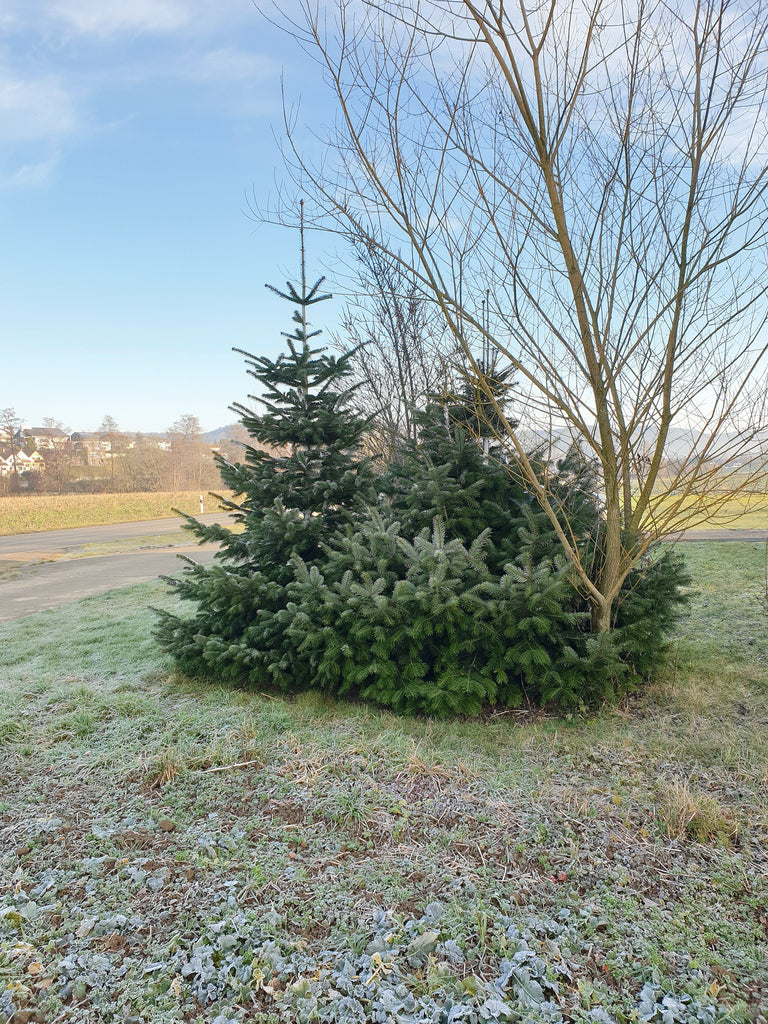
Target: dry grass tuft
{"type": "Point", "coordinates": [162, 768]}
{"type": "Point", "coordinates": [687, 814]}
{"type": "Point", "coordinates": [419, 768]}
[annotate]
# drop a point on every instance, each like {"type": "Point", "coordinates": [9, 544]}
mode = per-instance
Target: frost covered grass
{"type": "Point", "coordinates": [173, 851]}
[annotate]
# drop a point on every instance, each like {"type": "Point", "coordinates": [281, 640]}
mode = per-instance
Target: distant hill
{"type": "Point", "coordinates": [679, 441]}
{"type": "Point", "coordinates": [219, 434]}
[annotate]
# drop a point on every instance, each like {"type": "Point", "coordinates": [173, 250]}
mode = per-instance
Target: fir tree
{"type": "Point", "coordinates": [450, 597]}
{"type": "Point", "coordinates": [300, 481]}
{"type": "Point", "coordinates": [479, 405]}
{"type": "Point", "coordinates": [447, 474]}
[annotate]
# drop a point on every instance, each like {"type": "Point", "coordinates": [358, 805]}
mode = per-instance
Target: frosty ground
{"type": "Point", "coordinates": [174, 851]}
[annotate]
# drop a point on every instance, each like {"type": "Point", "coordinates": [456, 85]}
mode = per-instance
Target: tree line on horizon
{"type": "Point", "coordinates": [108, 459]}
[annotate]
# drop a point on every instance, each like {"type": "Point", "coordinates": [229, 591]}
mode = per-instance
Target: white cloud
{"type": "Point", "coordinates": [36, 116]}
{"type": "Point", "coordinates": [106, 18]}
{"type": "Point", "coordinates": [35, 109]}
{"type": "Point", "coordinates": [33, 175]}
{"type": "Point", "coordinates": [62, 63]}
{"type": "Point", "coordinates": [111, 17]}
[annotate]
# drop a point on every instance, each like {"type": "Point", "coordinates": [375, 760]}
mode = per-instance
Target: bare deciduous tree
{"type": "Point", "coordinates": [109, 432]}
{"type": "Point", "coordinates": [191, 462]}
{"type": "Point", "coordinates": [59, 457]}
{"type": "Point", "coordinates": [10, 424]}
{"type": "Point", "coordinates": [404, 352]}
{"type": "Point", "coordinates": [601, 169]}
{"type": "Point", "coordinates": [145, 465]}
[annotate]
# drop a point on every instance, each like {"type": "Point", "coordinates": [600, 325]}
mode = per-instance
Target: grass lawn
{"type": "Point", "coordinates": [32, 513]}
{"type": "Point", "coordinates": [173, 851]}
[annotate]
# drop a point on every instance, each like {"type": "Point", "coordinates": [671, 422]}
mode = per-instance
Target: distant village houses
{"type": "Point", "coordinates": [25, 451]}
{"type": "Point", "coordinates": [29, 448]}
{"type": "Point", "coordinates": [35, 438]}
{"type": "Point", "coordinates": [19, 462]}
{"type": "Point", "coordinates": [96, 449]}
{"type": "Point", "coordinates": [50, 459]}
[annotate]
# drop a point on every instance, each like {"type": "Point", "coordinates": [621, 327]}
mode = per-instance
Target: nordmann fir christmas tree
{"type": "Point", "coordinates": [307, 481]}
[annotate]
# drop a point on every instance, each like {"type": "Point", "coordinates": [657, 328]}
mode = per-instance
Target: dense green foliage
{"type": "Point", "coordinates": [439, 590]}
{"type": "Point", "coordinates": [425, 627]}
{"type": "Point", "coordinates": [528, 635]}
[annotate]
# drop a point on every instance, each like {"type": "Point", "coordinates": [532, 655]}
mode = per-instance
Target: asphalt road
{"type": "Point", "coordinates": [38, 585]}
{"type": "Point", "coordinates": [722, 534]}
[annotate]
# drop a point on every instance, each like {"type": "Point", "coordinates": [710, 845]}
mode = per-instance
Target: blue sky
{"type": "Point", "coordinates": [132, 134]}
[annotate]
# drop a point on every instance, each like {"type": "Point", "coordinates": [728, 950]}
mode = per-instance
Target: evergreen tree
{"type": "Point", "coordinates": [449, 597]}
{"type": "Point", "coordinates": [483, 391]}
{"type": "Point", "coordinates": [299, 483]}
{"type": "Point", "coordinates": [446, 474]}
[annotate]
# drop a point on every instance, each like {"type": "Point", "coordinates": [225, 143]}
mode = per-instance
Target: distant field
{"type": "Point", "coordinates": [747, 511]}
{"type": "Point", "coordinates": [32, 513]}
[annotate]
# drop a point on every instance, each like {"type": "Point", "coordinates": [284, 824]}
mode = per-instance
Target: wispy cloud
{"type": "Point", "coordinates": [38, 115]}
{"type": "Point", "coordinates": [231, 65]}
{"type": "Point", "coordinates": [241, 85]}
{"type": "Point", "coordinates": [32, 109]}
{"type": "Point", "coordinates": [71, 68]}
{"type": "Point", "coordinates": [106, 19]}
{"type": "Point", "coordinates": [34, 175]}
